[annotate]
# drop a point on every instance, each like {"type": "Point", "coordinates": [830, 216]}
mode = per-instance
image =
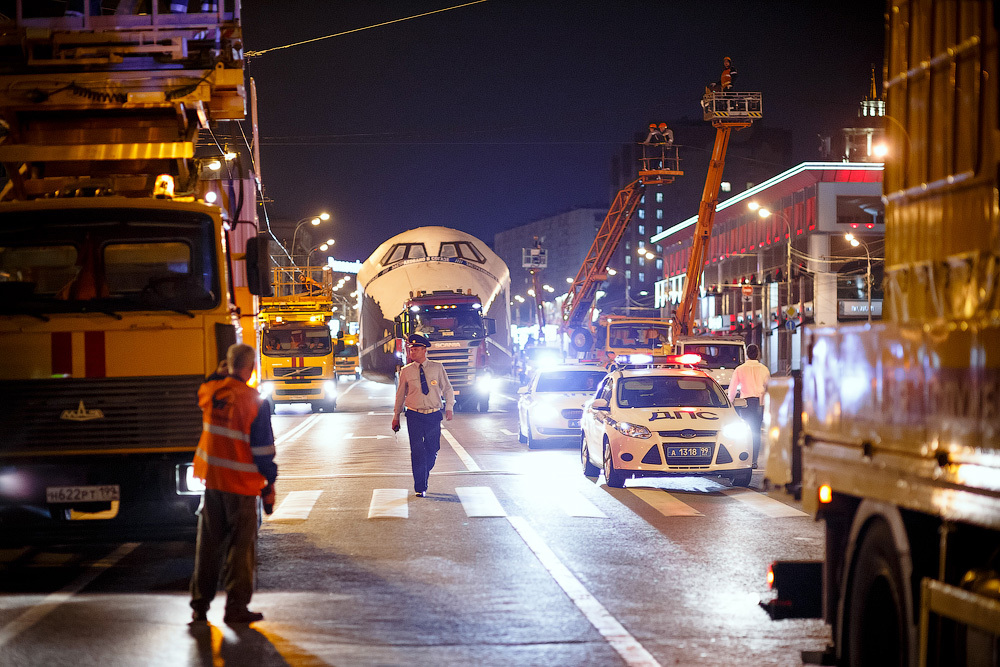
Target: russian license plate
{"type": "Point", "coordinates": [689, 452]}
{"type": "Point", "coordinates": [574, 423]}
{"type": "Point", "coordinates": [82, 494]}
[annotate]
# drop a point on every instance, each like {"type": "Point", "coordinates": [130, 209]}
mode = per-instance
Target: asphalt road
{"type": "Point", "coordinates": [513, 558]}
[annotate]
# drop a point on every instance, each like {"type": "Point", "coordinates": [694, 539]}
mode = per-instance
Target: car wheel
{"type": "Point", "coordinates": [742, 477]}
{"type": "Point", "coordinates": [589, 469]}
{"type": "Point", "coordinates": [532, 441]}
{"type": "Point", "coordinates": [614, 478]}
{"type": "Point", "coordinates": [521, 437]}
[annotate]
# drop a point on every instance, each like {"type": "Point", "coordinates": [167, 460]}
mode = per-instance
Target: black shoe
{"type": "Point", "coordinates": [420, 494]}
{"type": "Point", "coordinates": [244, 616]}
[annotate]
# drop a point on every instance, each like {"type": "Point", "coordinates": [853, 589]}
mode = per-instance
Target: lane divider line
{"type": "Point", "coordinates": [763, 504]}
{"type": "Point", "coordinates": [296, 506]}
{"type": "Point", "coordinates": [53, 600]}
{"type": "Point", "coordinates": [479, 501]}
{"type": "Point", "coordinates": [664, 503]}
{"type": "Point", "coordinates": [389, 504]}
{"type": "Point", "coordinates": [298, 430]}
{"type": "Point", "coordinates": [627, 646]}
{"type": "Point", "coordinates": [470, 464]}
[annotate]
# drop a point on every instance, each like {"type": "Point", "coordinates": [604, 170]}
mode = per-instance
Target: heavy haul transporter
{"type": "Point", "coordinates": [900, 437]}
{"type": "Point", "coordinates": [117, 290]}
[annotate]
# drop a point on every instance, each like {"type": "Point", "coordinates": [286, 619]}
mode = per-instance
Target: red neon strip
{"type": "Point", "coordinates": [62, 353]}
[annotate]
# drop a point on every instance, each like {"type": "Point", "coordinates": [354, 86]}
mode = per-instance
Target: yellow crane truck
{"type": "Point", "coordinates": [900, 434]}
{"type": "Point", "coordinates": [117, 294]}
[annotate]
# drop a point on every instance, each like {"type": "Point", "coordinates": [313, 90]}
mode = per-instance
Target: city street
{"type": "Point", "coordinates": [513, 558]}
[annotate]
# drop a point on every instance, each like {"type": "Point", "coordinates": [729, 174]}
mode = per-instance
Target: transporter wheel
{"type": "Point", "coordinates": [484, 403]}
{"type": "Point", "coordinates": [589, 469]}
{"type": "Point", "coordinates": [742, 477]}
{"type": "Point", "coordinates": [614, 478]}
{"type": "Point", "coordinates": [877, 629]}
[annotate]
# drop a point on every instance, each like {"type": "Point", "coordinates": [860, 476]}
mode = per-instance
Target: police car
{"type": "Point", "coordinates": [550, 406]}
{"type": "Point", "coordinates": [665, 420]}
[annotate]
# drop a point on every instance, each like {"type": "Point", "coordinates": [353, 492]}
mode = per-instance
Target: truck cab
{"type": "Point", "coordinates": [720, 355]}
{"type": "Point", "coordinates": [454, 323]}
{"type": "Point", "coordinates": [346, 361]}
{"type": "Point", "coordinates": [637, 335]}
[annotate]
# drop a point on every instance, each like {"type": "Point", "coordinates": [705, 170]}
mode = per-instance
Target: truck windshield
{"type": "Point", "coordinates": [106, 260]}
{"type": "Point", "coordinates": [297, 342]}
{"type": "Point", "coordinates": [348, 351]}
{"type": "Point", "coordinates": [444, 321]}
{"type": "Point", "coordinates": [717, 355]}
{"type": "Point", "coordinates": [637, 335]}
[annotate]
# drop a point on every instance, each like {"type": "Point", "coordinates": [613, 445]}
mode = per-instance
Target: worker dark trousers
{"type": "Point", "coordinates": [754, 417]}
{"type": "Point", "coordinates": [227, 529]}
{"type": "Point", "coordinates": [425, 441]}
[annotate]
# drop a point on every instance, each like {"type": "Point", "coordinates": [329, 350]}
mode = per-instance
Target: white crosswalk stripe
{"type": "Point", "coordinates": [664, 503]}
{"type": "Point", "coordinates": [479, 501]}
{"type": "Point", "coordinates": [764, 504]}
{"type": "Point", "coordinates": [296, 506]}
{"type": "Point", "coordinates": [389, 504]}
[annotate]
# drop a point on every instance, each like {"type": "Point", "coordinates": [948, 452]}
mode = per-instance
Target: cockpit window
{"type": "Point", "coordinates": [463, 250]}
{"type": "Point", "coordinates": [402, 251]}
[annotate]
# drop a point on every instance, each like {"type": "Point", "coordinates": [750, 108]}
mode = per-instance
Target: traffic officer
{"type": "Point", "coordinates": [235, 458]}
{"type": "Point", "coordinates": [750, 380]}
{"type": "Point", "coordinates": [423, 385]}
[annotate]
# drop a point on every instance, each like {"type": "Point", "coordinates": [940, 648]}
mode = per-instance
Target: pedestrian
{"type": "Point", "coordinates": [423, 385]}
{"type": "Point", "coordinates": [235, 459]}
{"type": "Point", "coordinates": [750, 381]}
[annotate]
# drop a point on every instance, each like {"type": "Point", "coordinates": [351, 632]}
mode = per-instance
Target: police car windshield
{"type": "Point", "coordinates": [569, 380]}
{"type": "Point", "coordinates": [670, 392]}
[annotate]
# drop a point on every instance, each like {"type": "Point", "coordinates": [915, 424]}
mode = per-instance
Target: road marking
{"type": "Point", "coordinates": [353, 385]}
{"type": "Point", "coordinates": [764, 504]}
{"type": "Point", "coordinates": [382, 414]}
{"type": "Point", "coordinates": [298, 430]}
{"type": "Point", "coordinates": [296, 506]}
{"type": "Point", "coordinates": [513, 399]}
{"type": "Point", "coordinates": [506, 432]}
{"type": "Point", "coordinates": [351, 436]}
{"type": "Point", "coordinates": [576, 504]}
{"type": "Point", "coordinates": [631, 651]}
{"type": "Point", "coordinates": [664, 503]}
{"type": "Point", "coordinates": [479, 501]}
{"type": "Point", "coordinates": [53, 600]}
{"type": "Point", "coordinates": [460, 450]}
{"type": "Point", "coordinates": [389, 504]}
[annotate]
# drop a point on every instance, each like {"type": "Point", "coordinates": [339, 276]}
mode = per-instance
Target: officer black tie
{"type": "Point", "coordinates": [423, 381]}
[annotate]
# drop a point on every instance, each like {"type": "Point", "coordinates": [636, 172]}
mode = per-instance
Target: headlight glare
{"type": "Point", "coordinates": [632, 430]}
{"type": "Point", "coordinates": [265, 389]}
{"type": "Point", "coordinates": [737, 430]}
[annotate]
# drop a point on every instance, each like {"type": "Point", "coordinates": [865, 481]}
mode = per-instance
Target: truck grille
{"type": "Point", "coordinates": [136, 412]}
{"type": "Point", "coordinates": [298, 372]}
{"type": "Point", "coordinates": [458, 363]}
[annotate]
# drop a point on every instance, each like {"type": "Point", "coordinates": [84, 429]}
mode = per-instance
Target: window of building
{"type": "Point", "coordinates": [659, 214]}
{"type": "Point", "coordinates": [642, 261]}
{"type": "Point", "coordinates": [642, 244]}
{"type": "Point", "coordinates": [642, 277]}
{"type": "Point", "coordinates": [659, 248]}
{"type": "Point", "coordinates": [642, 199]}
{"type": "Point", "coordinates": [628, 274]}
{"type": "Point", "coordinates": [628, 259]}
{"type": "Point", "coordinates": [659, 263]}
{"type": "Point", "coordinates": [642, 230]}
{"type": "Point", "coordinates": [659, 197]}
{"type": "Point", "coordinates": [642, 214]}
{"type": "Point", "coordinates": [628, 245]}
{"type": "Point", "coordinates": [659, 229]}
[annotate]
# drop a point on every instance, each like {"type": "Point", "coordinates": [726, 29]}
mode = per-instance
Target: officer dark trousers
{"type": "Point", "coordinates": [754, 417]}
{"type": "Point", "coordinates": [425, 441]}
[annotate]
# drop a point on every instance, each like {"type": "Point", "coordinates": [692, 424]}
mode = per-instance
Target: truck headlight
{"type": "Point", "coordinates": [265, 389]}
{"type": "Point", "coordinates": [330, 389]}
{"type": "Point", "coordinates": [486, 383]}
{"type": "Point", "coordinates": [632, 430]}
{"type": "Point", "coordinates": [187, 483]}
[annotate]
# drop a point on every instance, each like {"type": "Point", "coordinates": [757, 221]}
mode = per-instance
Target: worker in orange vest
{"type": "Point", "coordinates": [235, 458]}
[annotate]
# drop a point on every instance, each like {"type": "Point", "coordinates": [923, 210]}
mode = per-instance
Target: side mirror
{"type": "Point", "coordinates": [601, 404]}
{"type": "Point", "coordinates": [397, 329]}
{"type": "Point", "coordinates": [258, 266]}
{"type": "Point", "coordinates": [523, 390]}
{"type": "Point", "coordinates": [491, 325]}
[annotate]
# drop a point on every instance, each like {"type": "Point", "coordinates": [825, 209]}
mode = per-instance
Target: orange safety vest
{"type": "Point", "coordinates": [223, 458]}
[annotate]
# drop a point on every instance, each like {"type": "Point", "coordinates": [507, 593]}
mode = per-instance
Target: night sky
{"type": "Point", "coordinates": [497, 114]}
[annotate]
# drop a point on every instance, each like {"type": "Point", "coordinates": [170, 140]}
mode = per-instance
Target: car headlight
{"type": "Point", "coordinates": [187, 483]}
{"type": "Point", "coordinates": [265, 389]}
{"type": "Point", "coordinates": [632, 430]}
{"type": "Point", "coordinates": [737, 430]}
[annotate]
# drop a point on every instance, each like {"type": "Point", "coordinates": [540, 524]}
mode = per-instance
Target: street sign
{"type": "Point", "coordinates": [747, 290]}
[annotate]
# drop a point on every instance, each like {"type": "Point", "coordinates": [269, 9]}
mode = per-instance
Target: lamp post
{"type": "Point", "coordinates": [764, 214]}
{"type": "Point", "coordinates": [314, 221]}
{"type": "Point", "coordinates": [323, 247]}
{"type": "Point", "coordinates": [855, 241]}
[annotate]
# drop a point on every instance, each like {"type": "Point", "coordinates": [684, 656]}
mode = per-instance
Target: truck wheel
{"type": "Point", "coordinates": [484, 403]}
{"type": "Point", "coordinates": [742, 477]}
{"type": "Point", "coordinates": [614, 478]}
{"type": "Point", "coordinates": [589, 469]}
{"type": "Point", "coordinates": [877, 626]}
{"type": "Point", "coordinates": [581, 340]}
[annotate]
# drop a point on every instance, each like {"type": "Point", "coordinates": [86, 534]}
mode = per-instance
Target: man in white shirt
{"type": "Point", "coordinates": [750, 381]}
{"type": "Point", "coordinates": [423, 385]}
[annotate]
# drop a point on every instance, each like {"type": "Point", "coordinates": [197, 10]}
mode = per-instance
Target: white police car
{"type": "Point", "coordinates": [664, 421]}
{"type": "Point", "coordinates": [550, 405]}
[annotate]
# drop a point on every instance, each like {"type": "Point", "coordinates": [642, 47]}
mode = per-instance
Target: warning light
{"type": "Point", "coordinates": [825, 493]}
{"type": "Point", "coordinates": [770, 575]}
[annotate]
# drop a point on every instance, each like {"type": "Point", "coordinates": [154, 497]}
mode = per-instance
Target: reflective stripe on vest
{"type": "Point", "coordinates": [226, 432]}
{"type": "Point", "coordinates": [225, 463]}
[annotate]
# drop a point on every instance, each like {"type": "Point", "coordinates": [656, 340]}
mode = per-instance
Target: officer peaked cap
{"type": "Point", "coordinates": [416, 340]}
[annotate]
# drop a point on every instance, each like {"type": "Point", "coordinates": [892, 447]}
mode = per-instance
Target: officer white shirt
{"type": "Point", "coordinates": [410, 395]}
{"type": "Point", "coordinates": [750, 378]}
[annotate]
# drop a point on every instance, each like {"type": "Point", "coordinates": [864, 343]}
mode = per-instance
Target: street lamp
{"type": "Point", "coordinates": [323, 247]}
{"type": "Point", "coordinates": [313, 220]}
{"type": "Point", "coordinates": [855, 241]}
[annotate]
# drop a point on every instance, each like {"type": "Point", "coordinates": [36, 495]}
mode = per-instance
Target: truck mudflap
{"type": "Point", "coordinates": [798, 587]}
